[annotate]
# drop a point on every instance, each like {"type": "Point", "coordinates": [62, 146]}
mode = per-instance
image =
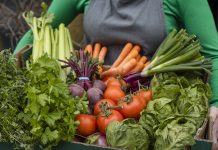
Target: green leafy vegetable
{"type": "Point", "coordinates": [178, 108]}
{"type": "Point", "coordinates": [50, 107]}
{"type": "Point", "coordinates": [127, 135]}
{"type": "Point", "coordinates": [12, 102]}
{"type": "Point", "coordinates": [175, 134]}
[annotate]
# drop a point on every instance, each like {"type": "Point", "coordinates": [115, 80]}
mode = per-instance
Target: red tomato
{"type": "Point", "coordinates": [133, 108]}
{"type": "Point", "coordinates": [114, 93]}
{"type": "Point", "coordinates": [114, 82]}
{"type": "Point", "coordinates": [97, 108]}
{"type": "Point", "coordinates": [87, 124]}
{"type": "Point", "coordinates": [146, 95]}
{"type": "Point", "coordinates": [104, 121]}
{"type": "Point", "coordinates": [107, 79]}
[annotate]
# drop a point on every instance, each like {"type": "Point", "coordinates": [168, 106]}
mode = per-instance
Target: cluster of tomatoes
{"type": "Point", "coordinates": [115, 105]}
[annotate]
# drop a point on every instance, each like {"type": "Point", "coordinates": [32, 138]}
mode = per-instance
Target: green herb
{"type": "Point", "coordinates": [127, 135]}
{"type": "Point", "coordinates": [50, 106]}
{"type": "Point", "coordinates": [12, 102]}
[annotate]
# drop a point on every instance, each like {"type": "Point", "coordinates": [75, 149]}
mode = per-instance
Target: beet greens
{"type": "Point", "coordinates": [84, 67]}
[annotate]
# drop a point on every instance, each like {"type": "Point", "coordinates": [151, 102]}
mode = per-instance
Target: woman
{"type": "Point", "coordinates": [145, 22]}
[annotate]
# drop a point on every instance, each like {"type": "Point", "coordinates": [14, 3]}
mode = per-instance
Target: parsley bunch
{"type": "Point", "coordinates": [50, 108]}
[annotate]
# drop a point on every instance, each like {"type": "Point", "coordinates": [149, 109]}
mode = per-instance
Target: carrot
{"type": "Point", "coordinates": [143, 59]}
{"type": "Point", "coordinates": [128, 66]}
{"type": "Point", "coordinates": [137, 68]}
{"type": "Point", "coordinates": [96, 50]}
{"type": "Point", "coordinates": [137, 48]}
{"type": "Point", "coordinates": [138, 57]}
{"type": "Point", "coordinates": [134, 52]}
{"type": "Point", "coordinates": [112, 72]}
{"type": "Point", "coordinates": [125, 51]}
{"type": "Point", "coordinates": [102, 54]}
{"type": "Point", "coordinates": [89, 49]}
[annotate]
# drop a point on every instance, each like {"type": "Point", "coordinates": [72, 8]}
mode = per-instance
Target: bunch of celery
{"type": "Point", "coordinates": [56, 43]}
{"type": "Point", "coordinates": [178, 52]}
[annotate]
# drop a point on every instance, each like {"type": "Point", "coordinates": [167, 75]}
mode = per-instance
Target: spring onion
{"type": "Point", "coordinates": [178, 52]}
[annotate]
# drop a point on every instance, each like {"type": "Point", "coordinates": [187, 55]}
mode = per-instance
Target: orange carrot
{"type": "Point", "coordinates": [96, 50]}
{"type": "Point", "coordinates": [138, 57]}
{"type": "Point", "coordinates": [127, 67]}
{"type": "Point", "coordinates": [102, 54]}
{"type": "Point", "coordinates": [89, 49]}
{"type": "Point", "coordinates": [125, 51]}
{"type": "Point", "coordinates": [137, 48]}
{"type": "Point", "coordinates": [134, 52]}
{"type": "Point", "coordinates": [112, 72]}
{"type": "Point", "coordinates": [143, 59]}
{"type": "Point", "coordinates": [137, 68]}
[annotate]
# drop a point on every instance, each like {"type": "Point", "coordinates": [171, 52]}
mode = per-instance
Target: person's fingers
{"type": "Point", "coordinates": [215, 146]}
{"type": "Point", "coordinates": [213, 113]}
{"type": "Point", "coordinates": [213, 116]}
{"type": "Point", "coordinates": [214, 131]}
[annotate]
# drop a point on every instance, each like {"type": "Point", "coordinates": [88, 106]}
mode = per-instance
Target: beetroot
{"type": "Point", "coordinates": [94, 95]}
{"type": "Point", "coordinates": [76, 90]}
{"type": "Point", "coordinates": [99, 84]}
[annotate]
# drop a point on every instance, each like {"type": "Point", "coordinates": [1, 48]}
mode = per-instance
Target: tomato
{"type": "Point", "coordinates": [106, 79]}
{"type": "Point", "coordinates": [114, 82]}
{"type": "Point", "coordinates": [133, 107]}
{"type": "Point", "coordinates": [104, 121]}
{"type": "Point", "coordinates": [87, 124]}
{"type": "Point", "coordinates": [97, 108]}
{"type": "Point", "coordinates": [114, 93]}
{"type": "Point", "coordinates": [146, 95]}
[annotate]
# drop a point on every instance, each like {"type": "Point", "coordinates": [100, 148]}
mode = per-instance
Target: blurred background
{"type": "Point", "coordinates": [13, 26]}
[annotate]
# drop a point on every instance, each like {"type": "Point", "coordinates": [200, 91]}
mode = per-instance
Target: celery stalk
{"type": "Point", "coordinates": [56, 44]}
{"type": "Point", "coordinates": [47, 41]}
{"type": "Point", "coordinates": [61, 49]}
{"type": "Point", "coordinates": [67, 43]}
{"type": "Point", "coordinates": [53, 45]}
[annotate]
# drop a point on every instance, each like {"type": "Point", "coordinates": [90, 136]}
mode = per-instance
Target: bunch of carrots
{"type": "Point", "coordinates": [97, 51]}
{"type": "Point", "coordinates": [128, 62]}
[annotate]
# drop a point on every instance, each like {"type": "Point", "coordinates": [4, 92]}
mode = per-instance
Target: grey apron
{"type": "Point", "coordinates": [116, 22]}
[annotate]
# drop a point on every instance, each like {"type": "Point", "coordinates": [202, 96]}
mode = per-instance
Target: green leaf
{"type": "Point", "coordinates": [52, 117]}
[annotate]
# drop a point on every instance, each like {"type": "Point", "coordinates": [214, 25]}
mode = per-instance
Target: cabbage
{"type": "Point", "coordinates": [178, 108]}
{"type": "Point", "coordinates": [175, 134]}
{"type": "Point", "coordinates": [127, 135]}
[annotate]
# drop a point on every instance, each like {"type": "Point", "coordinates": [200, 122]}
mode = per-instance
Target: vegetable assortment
{"type": "Point", "coordinates": [65, 93]}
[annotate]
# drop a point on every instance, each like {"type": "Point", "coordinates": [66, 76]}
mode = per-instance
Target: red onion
{"type": "Point", "coordinates": [97, 139]}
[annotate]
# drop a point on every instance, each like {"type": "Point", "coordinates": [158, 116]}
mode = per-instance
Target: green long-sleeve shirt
{"type": "Point", "coordinates": [194, 15]}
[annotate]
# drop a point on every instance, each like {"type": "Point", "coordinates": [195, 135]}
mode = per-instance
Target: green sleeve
{"type": "Point", "coordinates": [196, 17]}
{"type": "Point", "coordinates": [64, 10]}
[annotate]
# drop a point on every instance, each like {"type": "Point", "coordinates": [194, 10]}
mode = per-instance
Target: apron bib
{"type": "Point", "coordinates": [116, 22]}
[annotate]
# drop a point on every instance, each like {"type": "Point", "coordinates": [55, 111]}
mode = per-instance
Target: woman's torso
{"type": "Point", "coordinates": [116, 22]}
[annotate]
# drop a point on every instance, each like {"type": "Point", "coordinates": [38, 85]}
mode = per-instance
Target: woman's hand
{"type": "Point", "coordinates": [213, 127]}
